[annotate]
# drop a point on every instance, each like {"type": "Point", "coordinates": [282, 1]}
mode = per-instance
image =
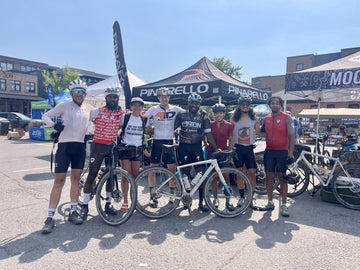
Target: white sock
{"type": "Point", "coordinates": [73, 207]}
{"type": "Point", "coordinates": [51, 212]}
{"type": "Point", "coordinates": [108, 197]}
{"type": "Point", "coordinates": [86, 198]}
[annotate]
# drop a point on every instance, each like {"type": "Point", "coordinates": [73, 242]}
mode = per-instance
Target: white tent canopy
{"type": "Point", "coordinates": [96, 91]}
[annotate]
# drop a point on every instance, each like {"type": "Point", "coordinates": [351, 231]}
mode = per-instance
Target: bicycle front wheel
{"type": "Point", "coordinates": [347, 189]}
{"type": "Point", "coordinates": [116, 198]}
{"type": "Point", "coordinates": [164, 195]}
{"type": "Point", "coordinates": [226, 204]}
{"type": "Point", "coordinates": [302, 181]}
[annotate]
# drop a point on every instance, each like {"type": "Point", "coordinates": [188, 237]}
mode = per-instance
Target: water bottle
{"type": "Point", "coordinates": [196, 178]}
{"type": "Point", "coordinates": [186, 183]}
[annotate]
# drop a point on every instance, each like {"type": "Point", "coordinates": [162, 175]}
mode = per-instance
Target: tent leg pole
{"type": "Point", "coordinates": [317, 124]}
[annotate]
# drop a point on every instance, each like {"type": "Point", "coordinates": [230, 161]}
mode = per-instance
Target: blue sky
{"type": "Point", "coordinates": [161, 38]}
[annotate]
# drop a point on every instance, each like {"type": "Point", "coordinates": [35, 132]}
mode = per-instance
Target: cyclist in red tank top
{"type": "Point", "coordinates": [280, 142]}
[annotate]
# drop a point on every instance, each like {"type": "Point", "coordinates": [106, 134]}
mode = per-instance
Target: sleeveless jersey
{"type": "Point", "coordinates": [276, 132]}
{"type": "Point", "coordinates": [244, 132]}
{"type": "Point", "coordinates": [192, 128]}
{"type": "Point", "coordinates": [107, 124]}
{"type": "Point", "coordinates": [163, 121]}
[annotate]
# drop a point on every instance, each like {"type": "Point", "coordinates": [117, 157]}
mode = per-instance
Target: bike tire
{"type": "Point", "coordinates": [347, 191]}
{"type": "Point", "coordinates": [303, 178]}
{"type": "Point", "coordinates": [260, 187]}
{"type": "Point", "coordinates": [222, 210]}
{"type": "Point", "coordinates": [117, 200]}
{"type": "Point", "coordinates": [166, 205]}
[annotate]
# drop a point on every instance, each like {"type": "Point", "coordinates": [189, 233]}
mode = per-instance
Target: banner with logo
{"type": "Point", "coordinates": [206, 80]}
{"type": "Point", "coordinates": [51, 97]}
{"type": "Point", "coordinates": [120, 64]}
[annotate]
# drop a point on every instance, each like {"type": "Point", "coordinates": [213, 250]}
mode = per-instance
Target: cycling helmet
{"type": "Point", "coordinates": [137, 99]}
{"type": "Point", "coordinates": [112, 91]}
{"type": "Point", "coordinates": [163, 91]}
{"type": "Point", "coordinates": [194, 97]}
{"type": "Point", "coordinates": [218, 107]}
{"type": "Point", "coordinates": [77, 84]}
{"type": "Point", "coordinates": [245, 99]}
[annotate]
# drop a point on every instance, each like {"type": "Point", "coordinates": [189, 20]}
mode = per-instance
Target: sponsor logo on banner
{"type": "Point", "coordinates": [345, 78]}
{"type": "Point", "coordinates": [245, 92]}
{"type": "Point", "coordinates": [178, 90]}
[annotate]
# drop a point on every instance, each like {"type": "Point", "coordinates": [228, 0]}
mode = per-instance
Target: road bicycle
{"type": "Point", "coordinates": [343, 180]}
{"type": "Point", "coordinates": [118, 184]}
{"type": "Point", "coordinates": [170, 188]}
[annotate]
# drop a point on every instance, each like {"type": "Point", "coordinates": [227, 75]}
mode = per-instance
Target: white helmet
{"type": "Point", "coordinates": [77, 84]}
{"type": "Point", "coordinates": [112, 91]}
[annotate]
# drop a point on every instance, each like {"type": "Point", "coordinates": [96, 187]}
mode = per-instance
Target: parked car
{"type": "Point", "coordinates": [17, 120]}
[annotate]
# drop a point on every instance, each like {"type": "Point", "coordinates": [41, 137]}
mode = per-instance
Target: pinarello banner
{"type": "Point", "coordinates": [120, 64]}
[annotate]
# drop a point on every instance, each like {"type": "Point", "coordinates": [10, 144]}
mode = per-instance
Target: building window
{"type": "Point", "coordinates": [354, 106]}
{"type": "Point", "coordinates": [2, 84]}
{"type": "Point", "coordinates": [299, 66]}
{"type": "Point", "coordinates": [330, 106]}
{"type": "Point", "coordinates": [15, 85]}
{"type": "Point", "coordinates": [30, 87]}
{"type": "Point", "coordinates": [313, 106]}
{"type": "Point", "coordinates": [257, 81]}
{"type": "Point", "coordinates": [6, 66]}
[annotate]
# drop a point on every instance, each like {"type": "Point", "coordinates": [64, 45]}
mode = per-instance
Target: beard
{"type": "Point", "coordinates": [112, 105]}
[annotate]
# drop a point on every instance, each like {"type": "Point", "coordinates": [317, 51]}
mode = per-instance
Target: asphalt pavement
{"type": "Point", "coordinates": [317, 235]}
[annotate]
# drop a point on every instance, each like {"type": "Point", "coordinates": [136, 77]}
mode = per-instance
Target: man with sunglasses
{"type": "Point", "coordinates": [192, 125]}
{"type": "Point", "coordinates": [107, 124]}
{"type": "Point", "coordinates": [246, 126]}
{"type": "Point", "coordinates": [71, 149]}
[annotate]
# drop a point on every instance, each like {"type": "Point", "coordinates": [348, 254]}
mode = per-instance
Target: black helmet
{"type": "Point", "coordinates": [218, 107]}
{"type": "Point", "coordinates": [194, 97]}
{"type": "Point", "coordinates": [245, 99]}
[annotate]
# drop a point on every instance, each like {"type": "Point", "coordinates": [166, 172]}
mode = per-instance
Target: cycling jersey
{"type": "Point", "coordinates": [221, 134]}
{"type": "Point", "coordinates": [107, 124]}
{"type": "Point", "coordinates": [192, 127]}
{"type": "Point", "coordinates": [163, 121]}
{"type": "Point", "coordinates": [75, 120]}
{"type": "Point", "coordinates": [133, 134]}
{"type": "Point", "coordinates": [276, 131]}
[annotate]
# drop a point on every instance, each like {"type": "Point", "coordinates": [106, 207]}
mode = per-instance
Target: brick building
{"type": "Point", "coordinates": [21, 82]}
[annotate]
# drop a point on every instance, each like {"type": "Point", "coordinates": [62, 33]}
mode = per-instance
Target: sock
{"type": "Point", "coordinates": [73, 207]}
{"type": "Point", "coordinates": [241, 191]}
{"type": "Point", "coordinates": [86, 198]}
{"type": "Point", "coordinates": [201, 195]}
{"type": "Point", "coordinates": [108, 197]}
{"type": "Point", "coordinates": [151, 189]}
{"type": "Point", "coordinates": [51, 212]}
{"type": "Point", "coordinates": [215, 193]}
{"type": "Point", "coordinates": [172, 190]}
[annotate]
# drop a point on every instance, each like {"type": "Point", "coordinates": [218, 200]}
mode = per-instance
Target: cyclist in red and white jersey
{"type": "Point", "coordinates": [107, 124]}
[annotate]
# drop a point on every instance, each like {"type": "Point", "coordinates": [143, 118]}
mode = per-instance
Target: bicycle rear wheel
{"type": "Point", "coordinates": [161, 193]}
{"type": "Point", "coordinates": [302, 181]}
{"type": "Point", "coordinates": [224, 204]}
{"type": "Point", "coordinates": [260, 187]}
{"type": "Point", "coordinates": [120, 192]}
{"type": "Point", "coordinates": [345, 189]}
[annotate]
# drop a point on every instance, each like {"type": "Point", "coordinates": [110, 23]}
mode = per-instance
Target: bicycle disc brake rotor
{"type": "Point", "coordinates": [116, 195]}
{"type": "Point", "coordinates": [355, 188]}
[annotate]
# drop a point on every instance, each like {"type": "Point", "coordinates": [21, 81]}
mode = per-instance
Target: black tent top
{"type": "Point", "coordinates": [205, 79]}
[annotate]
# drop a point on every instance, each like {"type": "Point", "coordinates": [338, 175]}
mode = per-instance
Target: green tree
{"type": "Point", "coordinates": [226, 66]}
{"type": "Point", "coordinates": [59, 82]}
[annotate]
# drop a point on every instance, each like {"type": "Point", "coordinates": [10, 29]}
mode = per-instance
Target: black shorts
{"type": "Point", "coordinates": [156, 150]}
{"type": "Point", "coordinates": [69, 152]}
{"type": "Point", "coordinates": [189, 153]}
{"type": "Point", "coordinates": [245, 155]}
{"type": "Point", "coordinates": [275, 160]}
{"type": "Point", "coordinates": [131, 153]}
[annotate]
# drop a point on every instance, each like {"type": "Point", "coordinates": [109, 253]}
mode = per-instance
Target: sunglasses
{"type": "Point", "coordinates": [112, 90]}
{"type": "Point", "coordinates": [245, 104]}
{"type": "Point", "coordinates": [78, 91]}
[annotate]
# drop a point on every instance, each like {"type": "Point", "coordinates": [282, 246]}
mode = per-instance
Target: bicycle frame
{"type": "Point", "coordinates": [213, 165]}
{"type": "Point", "coordinates": [310, 167]}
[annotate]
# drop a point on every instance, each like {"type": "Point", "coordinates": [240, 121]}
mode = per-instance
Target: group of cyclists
{"type": "Point", "coordinates": [195, 130]}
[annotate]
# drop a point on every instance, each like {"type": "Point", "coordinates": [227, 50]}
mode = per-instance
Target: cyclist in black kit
{"type": "Point", "coordinates": [192, 125]}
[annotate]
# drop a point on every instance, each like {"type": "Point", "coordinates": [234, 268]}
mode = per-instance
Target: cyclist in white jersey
{"type": "Point", "coordinates": [163, 119]}
{"type": "Point", "coordinates": [71, 149]}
